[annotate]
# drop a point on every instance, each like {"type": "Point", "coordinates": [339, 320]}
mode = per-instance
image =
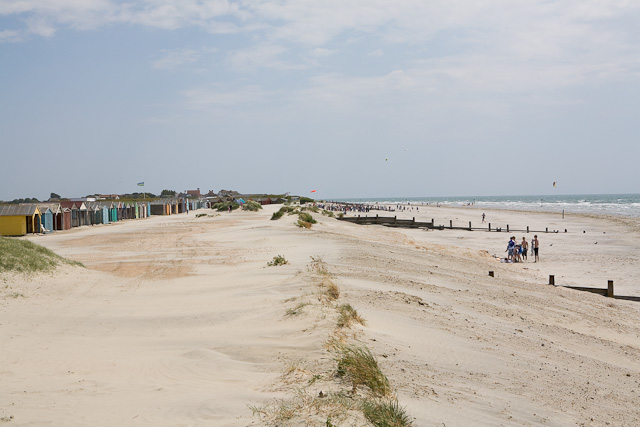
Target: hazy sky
{"type": "Point", "coordinates": [352, 98]}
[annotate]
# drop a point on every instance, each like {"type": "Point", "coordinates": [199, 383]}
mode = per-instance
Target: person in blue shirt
{"type": "Point", "coordinates": [510, 247]}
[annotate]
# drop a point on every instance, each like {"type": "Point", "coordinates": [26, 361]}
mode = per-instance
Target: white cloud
{"type": "Point", "coordinates": [263, 56]}
{"type": "Point", "coordinates": [169, 59]}
{"type": "Point", "coordinates": [10, 36]}
{"type": "Point", "coordinates": [320, 51]}
{"type": "Point", "coordinates": [217, 97]}
{"type": "Point", "coordinates": [493, 43]}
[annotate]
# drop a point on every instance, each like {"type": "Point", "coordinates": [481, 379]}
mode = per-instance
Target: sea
{"type": "Point", "coordinates": [599, 204]}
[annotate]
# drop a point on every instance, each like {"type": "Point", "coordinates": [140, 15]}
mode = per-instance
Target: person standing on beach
{"type": "Point", "coordinates": [510, 247]}
{"type": "Point", "coordinates": [536, 245]}
{"type": "Point", "coordinates": [483, 217]}
{"type": "Point", "coordinates": [525, 247]}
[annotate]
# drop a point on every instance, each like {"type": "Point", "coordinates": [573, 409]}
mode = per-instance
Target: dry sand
{"type": "Point", "coordinates": [178, 321]}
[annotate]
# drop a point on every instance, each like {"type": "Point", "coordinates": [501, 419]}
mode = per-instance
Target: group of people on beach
{"type": "Point", "coordinates": [518, 252]}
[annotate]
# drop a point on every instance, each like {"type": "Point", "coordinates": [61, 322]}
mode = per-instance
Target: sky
{"type": "Point", "coordinates": [351, 98]}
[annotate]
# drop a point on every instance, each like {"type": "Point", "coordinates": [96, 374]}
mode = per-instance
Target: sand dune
{"type": "Point", "coordinates": [179, 321]}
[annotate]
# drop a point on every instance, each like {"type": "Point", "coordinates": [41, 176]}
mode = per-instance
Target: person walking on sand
{"type": "Point", "coordinates": [536, 245]}
{"type": "Point", "coordinates": [483, 217]}
{"type": "Point", "coordinates": [525, 247]}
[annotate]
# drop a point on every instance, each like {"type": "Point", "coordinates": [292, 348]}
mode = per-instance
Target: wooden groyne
{"type": "Point", "coordinates": [387, 221]}
{"type": "Point", "coordinates": [412, 223]}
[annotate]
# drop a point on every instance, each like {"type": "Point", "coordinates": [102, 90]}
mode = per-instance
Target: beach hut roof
{"type": "Point", "coordinates": [19, 210]}
{"type": "Point", "coordinates": [74, 205]}
{"type": "Point", "coordinates": [55, 208]}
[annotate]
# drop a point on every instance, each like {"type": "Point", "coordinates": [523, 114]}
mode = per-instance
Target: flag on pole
{"type": "Point", "coordinates": [141, 184]}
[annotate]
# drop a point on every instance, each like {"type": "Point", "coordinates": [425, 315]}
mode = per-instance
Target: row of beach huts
{"type": "Point", "coordinates": [26, 218]}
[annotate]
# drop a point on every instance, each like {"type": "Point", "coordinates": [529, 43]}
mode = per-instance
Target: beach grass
{"type": "Point", "coordinates": [251, 206]}
{"type": "Point", "coordinates": [385, 413]}
{"type": "Point", "coordinates": [359, 366]}
{"type": "Point", "coordinates": [24, 256]}
{"type": "Point", "coordinates": [303, 224]}
{"type": "Point", "coordinates": [314, 209]}
{"type": "Point", "coordinates": [297, 310]}
{"type": "Point", "coordinates": [333, 409]}
{"type": "Point", "coordinates": [331, 290]}
{"type": "Point", "coordinates": [306, 217]}
{"type": "Point", "coordinates": [348, 316]}
{"type": "Point", "coordinates": [317, 265]}
{"type": "Point", "coordinates": [224, 206]}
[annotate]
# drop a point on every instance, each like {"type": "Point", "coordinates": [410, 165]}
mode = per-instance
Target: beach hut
{"type": "Point", "coordinates": [51, 216]}
{"type": "Point", "coordinates": [120, 209]}
{"type": "Point", "coordinates": [95, 213]}
{"type": "Point", "coordinates": [79, 214]}
{"type": "Point", "coordinates": [162, 207]}
{"type": "Point", "coordinates": [105, 213]}
{"type": "Point", "coordinates": [18, 220]}
{"type": "Point", "coordinates": [113, 212]}
{"type": "Point", "coordinates": [46, 218]}
{"type": "Point", "coordinates": [63, 221]}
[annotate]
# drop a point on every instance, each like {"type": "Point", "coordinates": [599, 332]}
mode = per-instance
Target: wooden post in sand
{"type": "Point", "coordinates": [450, 223]}
{"type": "Point", "coordinates": [610, 288]}
{"type": "Point", "coordinates": [491, 273]}
{"type": "Point", "coordinates": [552, 280]}
{"type": "Point", "coordinates": [507, 228]}
{"type": "Point", "coordinates": [469, 225]}
{"type": "Point", "coordinates": [489, 226]}
{"type": "Point", "coordinates": [527, 229]}
{"type": "Point", "coordinates": [546, 230]}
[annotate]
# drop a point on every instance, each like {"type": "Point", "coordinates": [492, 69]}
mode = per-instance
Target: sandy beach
{"type": "Point", "coordinates": [179, 321]}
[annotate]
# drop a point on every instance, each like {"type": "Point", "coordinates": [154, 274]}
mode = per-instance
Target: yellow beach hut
{"type": "Point", "coordinates": [18, 220]}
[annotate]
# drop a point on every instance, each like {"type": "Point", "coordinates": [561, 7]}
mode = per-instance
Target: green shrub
{"type": "Point", "coordinates": [277, 260]}
{"type": "Point", "coordinates": [200, 215]}
{"type": "Point", "coordinates": [224, 206]}
{"type": "Point", "coordinates": [385, 413]}
{"type": "Point", "coordinates": [340, 215]}
{"type": "Point", "coordinates": [306, 217]}
{"type": "Point", "coordinates": [277, 215]}
{"type": "Point", "coordinates": [251, 206]}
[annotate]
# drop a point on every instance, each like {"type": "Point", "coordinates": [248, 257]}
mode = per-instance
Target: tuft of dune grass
{"type": "Point", "coordinates": [347, 316]}
{"type": "Point", "coordinates": [360, 367]}
{"type": "Point", "coordinates": [386, 413]}
{"type": "Point", "coordinates": [251, 206]}
{"type": "Point", "coordinates": [24, 256]}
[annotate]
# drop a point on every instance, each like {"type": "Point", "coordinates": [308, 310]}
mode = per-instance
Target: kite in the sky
{"type": "Point", "coordinates": [554, 184]}
{"type": "Point", "coordinates": [313, 191]}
